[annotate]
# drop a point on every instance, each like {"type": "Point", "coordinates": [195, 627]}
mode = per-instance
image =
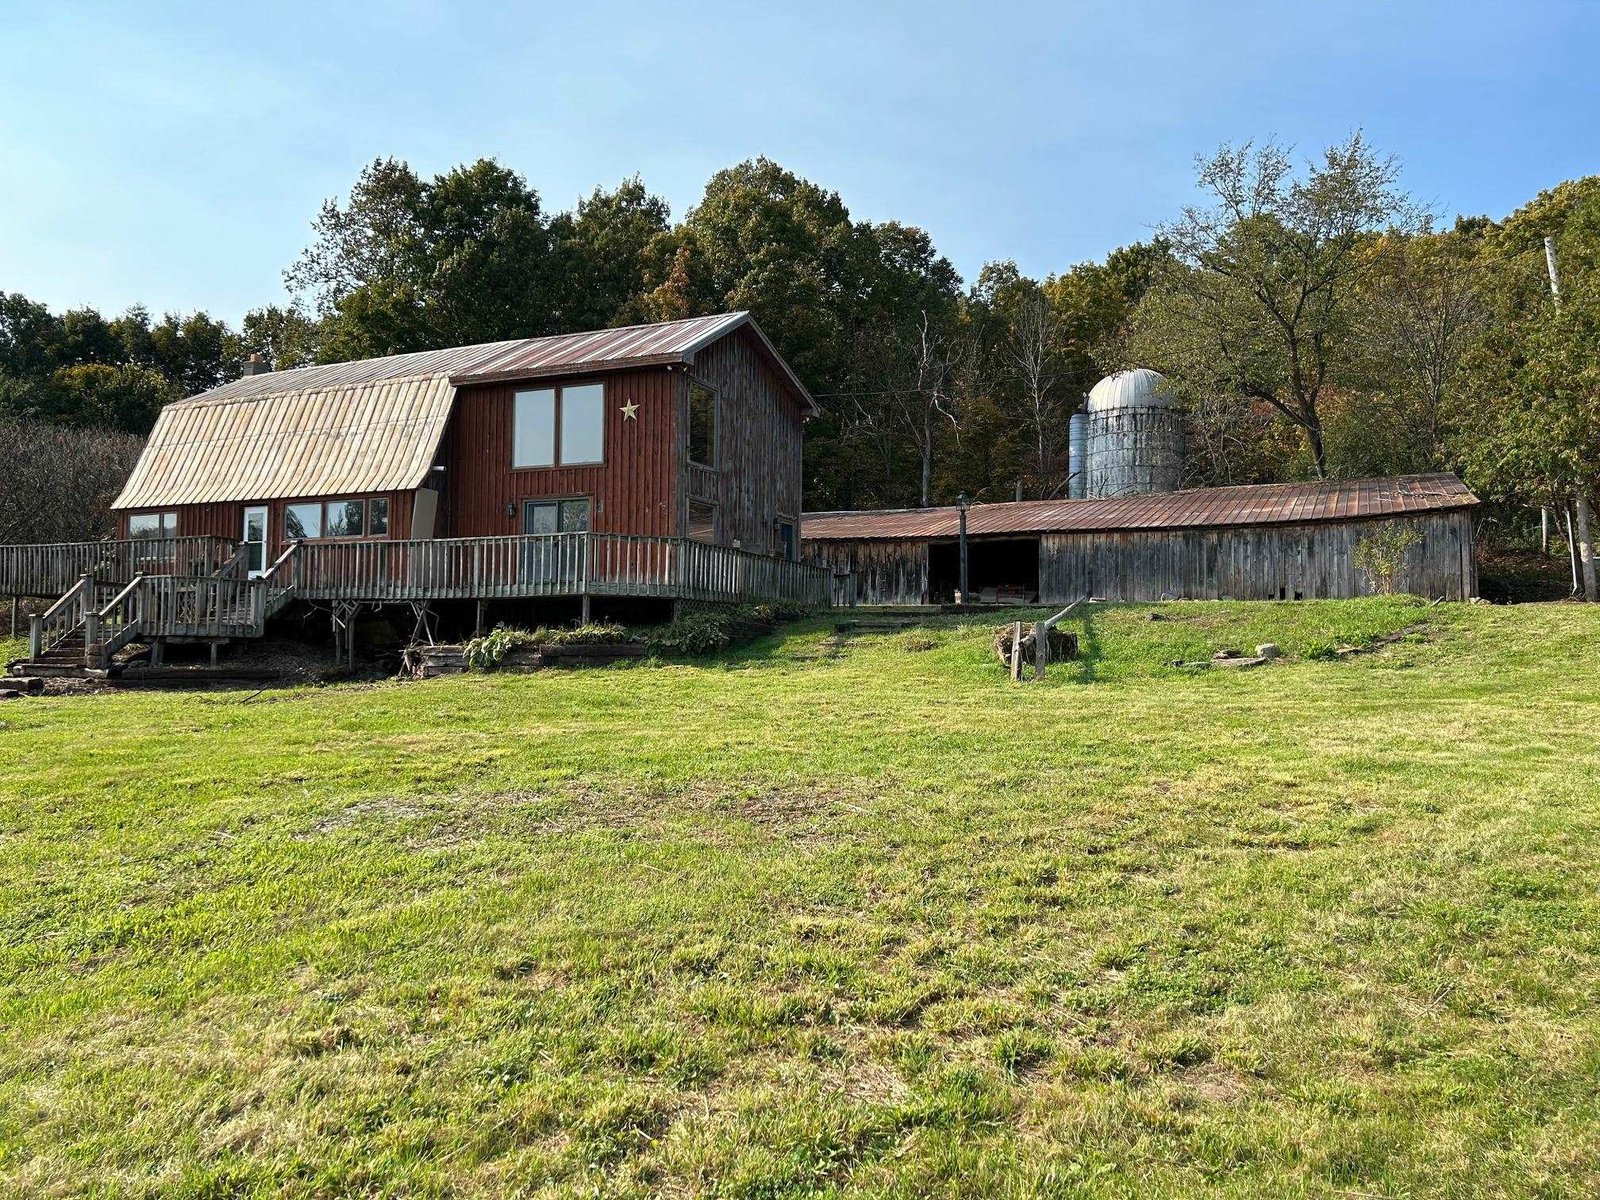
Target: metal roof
{"type": "Point", "coordinates": [1138, 388]}
{"type": "Point", "coordinates": [374, 425]}
{"type": "Point", "coordinates": [1259, 504]}
{"type": "Point", "coordinates": [373, 436]}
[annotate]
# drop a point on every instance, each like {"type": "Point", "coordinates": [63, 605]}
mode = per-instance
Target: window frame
{"type": "Point", "coordinates": [166, 525]}
{"type": "Point", "coordinates": [557, 415]}
{"type": "Point", "coordinates": [555, 502]}
{"type": "Point", "coordinates": [364, 534]}
{"type": "Point", "coordinates": [688, 423]}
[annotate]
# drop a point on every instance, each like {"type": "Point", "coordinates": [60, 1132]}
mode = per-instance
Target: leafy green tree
{"type": "Point", "coordinates": [602, 252]}
{"type": "Point", "coordinates": [285, 337]}
{"type": "Point", "coordinates": [96, 395]}
{"type": "Point", "coordinates": [412, 264]}
{"type": "Point", "coordinates": [1260, 304]}
{"type": "Point", "coordinates": [1530, 414]}
{"type": "Point", "coordinates": [1420, 309]}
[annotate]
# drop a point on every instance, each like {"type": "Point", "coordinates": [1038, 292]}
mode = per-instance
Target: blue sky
{"type": "Point", "coordinates": [173, 154]}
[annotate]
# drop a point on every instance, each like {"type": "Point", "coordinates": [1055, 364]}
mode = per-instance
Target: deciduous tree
{"type": "Point", "coordinates": [1261, 300]}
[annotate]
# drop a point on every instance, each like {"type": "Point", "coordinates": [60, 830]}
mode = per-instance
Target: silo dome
{"type": "Point", "coordinates": [1135, 436]}
{"type": "Point", "coordinates": [1138, 388]}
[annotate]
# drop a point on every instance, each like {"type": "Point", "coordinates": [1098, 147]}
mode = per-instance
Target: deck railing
{"type": "Point", "coordinates": [49, 570]}
{"type": "Point", "coordinates": [560, 564]}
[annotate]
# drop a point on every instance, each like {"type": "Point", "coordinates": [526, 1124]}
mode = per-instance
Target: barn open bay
{"type": "Point", "coordinates": [838, 918]}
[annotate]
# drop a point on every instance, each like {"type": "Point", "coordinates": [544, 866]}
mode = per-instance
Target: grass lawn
{"type": "Point", "coordinates": [823, 919]}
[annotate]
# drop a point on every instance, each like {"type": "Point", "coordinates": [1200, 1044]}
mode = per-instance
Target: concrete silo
{"type": "Point", "coordinates": [1135, 436]}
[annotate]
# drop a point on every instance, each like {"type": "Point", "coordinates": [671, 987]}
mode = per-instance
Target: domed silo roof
{"type": "Point", "coordinates": [1138, 388]}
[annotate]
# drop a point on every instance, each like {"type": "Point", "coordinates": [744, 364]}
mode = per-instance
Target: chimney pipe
{"type": "Point", "coordinates": [256, 364]}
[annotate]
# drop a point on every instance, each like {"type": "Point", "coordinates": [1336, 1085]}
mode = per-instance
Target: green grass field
{"type": "Point", "coordinates": [820, 919]}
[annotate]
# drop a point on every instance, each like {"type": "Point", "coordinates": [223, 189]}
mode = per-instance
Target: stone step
{"type": "Point", "coordinates": [51, 670]}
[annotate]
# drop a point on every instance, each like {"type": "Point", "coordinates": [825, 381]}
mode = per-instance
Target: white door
{"type": "Point", "coordinates": [255, 540]}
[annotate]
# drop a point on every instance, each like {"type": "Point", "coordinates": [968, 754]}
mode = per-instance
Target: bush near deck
{"type": "Point", "coordinates": [828, 916]}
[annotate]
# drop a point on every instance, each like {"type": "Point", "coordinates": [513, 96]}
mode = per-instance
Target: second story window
{"type": "Point", "coordinates": [702, 425]}
{"type": "Point", "coordinates": [559, 426]}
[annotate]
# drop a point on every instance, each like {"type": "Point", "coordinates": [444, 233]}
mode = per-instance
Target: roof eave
{"type": "Point", "coordinates": [743, 320]}
{"type": "Point", "coordinates": [595, 367]}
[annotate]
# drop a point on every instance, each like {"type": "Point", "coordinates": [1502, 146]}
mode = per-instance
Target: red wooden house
{"type": "Point", "coordinates": [657, 461]}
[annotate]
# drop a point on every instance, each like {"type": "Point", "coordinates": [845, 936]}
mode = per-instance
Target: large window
{"type": "Point", "coordinates": [555, 561]}
{"type": "Point", "coordinates": [302, 521]}
{"type": "Point", "coordinates": [555, 516]}
{"type": "Point", "coordinates": [583, 423]}
{"type": "Point", "coordinates": [562, 426]}
{"type": "Point", "coordinates": [336, 519]}
{"type": "Point", "coordinates": [702, 425]}
{"type": "Point", "coordinates": [153, 525]}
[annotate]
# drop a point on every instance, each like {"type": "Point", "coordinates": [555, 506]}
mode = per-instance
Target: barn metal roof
{"type": "Point", "coordinates": [374, 424]}
{"type": "Point", "coordinates": [373, 436]}
{"type": "Point", "coordinates": [1260, 504]}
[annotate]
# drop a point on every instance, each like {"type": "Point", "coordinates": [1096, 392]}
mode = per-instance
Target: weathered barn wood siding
{"type": "Point", "coordinates": [633, 491]}
{"type": "Point", "coordinates": [1262, 562]}
{"type": "Point", "coordinates": [878, 572]}
{"type": "Point", "coordinates": [1273, 562]}
{"type": "Point", "coordinates": [760, 426]}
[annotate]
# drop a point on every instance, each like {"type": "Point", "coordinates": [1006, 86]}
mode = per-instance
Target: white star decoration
{"type": "Point", "coordinates": [630, 411]}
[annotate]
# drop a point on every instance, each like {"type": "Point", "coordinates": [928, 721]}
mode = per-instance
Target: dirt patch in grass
{"type": "Point", "coordinates": [799, 814]}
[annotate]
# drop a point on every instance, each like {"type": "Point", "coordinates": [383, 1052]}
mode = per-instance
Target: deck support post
{"type": "Point", "coordinates": [585, 608]}
{"type": "Point", "coordinates": [14, 602]}
{"type": "Point", "coordinates": [477, 621]}
{"type": "Point", "coordinates": [158, 652]}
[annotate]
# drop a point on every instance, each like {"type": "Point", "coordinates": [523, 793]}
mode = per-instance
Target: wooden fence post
{"type": "Point", "coordinates": [1016, 652]}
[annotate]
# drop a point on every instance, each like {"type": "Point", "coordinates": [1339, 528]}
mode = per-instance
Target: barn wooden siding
{"type": "Point", "coordinates": [1270, 562]}
{"type": "Point", "coordinates": [1250, 562]}
{"type": "Point", "coordinates": [760, 426]}
{"type": "Point", "coordinates": [633, 491]}
{"type": "Point", "coordinates": [875, 572]}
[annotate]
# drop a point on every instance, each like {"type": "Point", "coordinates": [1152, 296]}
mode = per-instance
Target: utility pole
{"type": "Point", "coordinates": [962, 504]}
{"type": "Point", "coordinates": [1583, 549]}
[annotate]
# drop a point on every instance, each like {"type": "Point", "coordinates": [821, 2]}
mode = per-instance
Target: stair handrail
{"type": "Point", "coordinates": [85, 582]}
{"type": "Point", "coordinates": [234, 568]}
{"type": "Point", "coordinates": [261, 589]}
{"type": "Point", "coordinates": [97, 651]}
{"type": "Point", "coordinates": [77, 595]}
{"type": "Point", "coordinates": [133, 585]}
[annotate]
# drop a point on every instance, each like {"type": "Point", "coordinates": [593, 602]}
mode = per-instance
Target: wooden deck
{"type": "Point", "coordinates": [562, 564]}
{"type": "Point", "coordinates": [112, 593]}
{"type": "Point", "coordinates": [47, 571]}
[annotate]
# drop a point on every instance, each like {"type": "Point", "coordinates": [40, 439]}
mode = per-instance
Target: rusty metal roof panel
{"type": "Point", "coordinates": [1262, 504]}
{"type": "Point", "coordinates": [522, 358]}
{"type": "Point", "coordinates": [362, 436]}
{"type": "Point", "coordinates": [663, 342]}
{"type": "Point", "coordinates": [374, 424]}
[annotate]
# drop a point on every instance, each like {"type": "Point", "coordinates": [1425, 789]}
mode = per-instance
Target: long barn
{"type": "Point", "coordinates": [1288, 541]}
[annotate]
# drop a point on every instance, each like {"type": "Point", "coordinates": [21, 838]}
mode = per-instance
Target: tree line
{"type": "Point", "coordinates": [1313, 319]}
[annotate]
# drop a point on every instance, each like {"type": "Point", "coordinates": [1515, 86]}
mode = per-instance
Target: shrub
{"type": "Point", "coordinates": [693, 633]}
{"type": "Point", "coordinates": [707, 630]}
{"type": "Point", "coordinates": [489, 651]}
{"type": "Point", "coordinates": [1381, 555]}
